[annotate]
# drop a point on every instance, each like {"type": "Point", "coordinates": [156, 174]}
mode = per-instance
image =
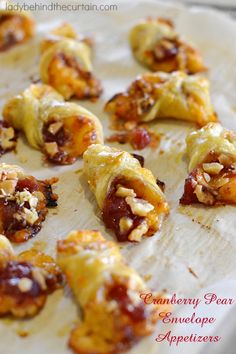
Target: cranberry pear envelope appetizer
{"type": "Point", "coordinates": [131, 202]}
{"type": "Point", "coordinates": [25, 280]}
{"type": "Point", "coordinates": [212, 166]}
{"type": "Point", "coordinates": [62, 130]}
{"type": "Point", "coordinates": [15, 26]}
{"type": "Point", "coordinates": [66, 65]}
{"type": "Point", "coordinates": [108, 291]}
{"type": "Point", "coordinates": [62, 32]}
{"type": "Point", "coordinates": [8, 138]}
{"type": "Point", "coordinates": [161, 95]}
{"type": "Point", "coordinates": [24, 203]}
{"type": "Point", "coordinates": [156, 45]}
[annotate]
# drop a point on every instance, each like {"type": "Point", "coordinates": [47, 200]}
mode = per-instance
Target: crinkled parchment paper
{"type": "Point", "coordinates": [192, 238]}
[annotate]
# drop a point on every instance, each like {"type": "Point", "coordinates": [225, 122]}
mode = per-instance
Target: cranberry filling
{"type": "Point", "coordinates": [114, 209]}
{"type": "Point", "coordinates": [15, 229]}
{"type": "Point", "coordinates": [13, 31]}
{"type": "Point", "coordinates": [14, 271]}
{"type": "Point", "coordinates": [189, 196]}
{"type": "Point", "coordinates": [61, 138]}
{"type": "Point", "coordinates": [10, 277]}
{"type": "Point", "coordinates": [166, 49]}
{"type": "Point", "coordinates": [119, 293]}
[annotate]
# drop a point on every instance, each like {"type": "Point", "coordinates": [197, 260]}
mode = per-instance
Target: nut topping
{"type": "Point", "coordinates": [212, 168]}
{"type": "Point", "coordinates": [139, 207]}
{"type": "Point", "coordinates": [51, 148]}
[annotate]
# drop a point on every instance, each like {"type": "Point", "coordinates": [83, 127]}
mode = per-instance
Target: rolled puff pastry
{"type": "Point", "coordinates": [15, 26]}
{"type": "Point", "coordinates": [161, 95]}
{"type": "Point", "coordinates": [24, 203]}
{"type": "Point", "coordinates": [66, 65]}
{"type": "Point", "coordinates": [25, 280]}
{"type": "Point", "coordinates": [62, 130]}
{"type": "Point", "coordinates": [108, 291]}
{"type": "Point", "coordinates": [131, 202]}
{"type": "Point", "coordinates": [212, 166]}
{"type": "Point", "coordinates": [62, 32]}
{"type": "Point", "coordinates": [156, 45]}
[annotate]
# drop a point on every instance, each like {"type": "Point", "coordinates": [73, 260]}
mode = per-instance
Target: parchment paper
{"type": "Point", "coordinates": [192, 238]}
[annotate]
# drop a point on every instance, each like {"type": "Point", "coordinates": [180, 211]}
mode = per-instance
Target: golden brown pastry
{"type": "Point", "coordinates": [15, 26]}
{"type": "Point", "coordinates": [212, 166]}
{"type": "Point", "coordinates": [25, 280]}
{"type": "Point", "coordinates": [156, 45]}
{"type": "Point", "coordinates": [108, 292]}
{"type": "Point", "coordinates": [161, 95]}
{"type": "Point", "coordinates": [24, 203]}
{"type": "Point", "coordinates": [65, 30]}
{"type": "Point", "coordinates": [131, 202]}
{"type": "Point", "coordinates": [62, 130]}
{"type": "Point", "coordinates": [8, 138]}
{"type": "Point", "coordinates": [66, 64]}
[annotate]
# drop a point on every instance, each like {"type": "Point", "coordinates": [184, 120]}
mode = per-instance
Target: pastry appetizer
{"type": "Point", "coordinates": [25, 280]}
{"type": "Point", "coordinates": [162, 95]}
{"type": "Point", "coordinates": [156, 45]}
{"type": "Point", "coordinates": [63, 31]}
{"type": "Point", "coordinates": [62, 130]}
{"type": "Point", "coordinates": [23, 203]}
{"type": "Point", "coordinates": [7, 138]}
{"type": "Point", "coordinates": [131, 202]}
{"type": "Point", "coordinates": [66, 65]}
{"type": "Point", "coordinates": [212, 166]}
{"type": "Point", "coordinates": [15, 27]}
{"type": "Point", "coordinates": [108, 291]}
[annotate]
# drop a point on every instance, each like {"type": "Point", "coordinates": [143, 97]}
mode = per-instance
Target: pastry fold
{"type": "Point", "coordinates": [25, 280]}
{"type": "Point", "coordinates": [161, 95]}
{"type": "Point", "coordinates": [131, 202]}
{"type": "Point", "coordinates": [108, 292]}
{"type": "Point", "coordinates": [64, 31]}
{"type": "Point", "coordinates": [212, 166]}
{"type": "Point", "coordinates": [15, 26]}
{"type": "Point", "coordinates": [66, 65]}
{"type": "Point", "coordinates": [156, 45]}
{"type": "Point", "coordinates": [62, 130]}
{"type": "Point", "coordinates": [24, 203]}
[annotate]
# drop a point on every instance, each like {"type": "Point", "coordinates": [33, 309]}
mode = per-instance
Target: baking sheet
{"type": "Point", "coordinates": [196, 246]}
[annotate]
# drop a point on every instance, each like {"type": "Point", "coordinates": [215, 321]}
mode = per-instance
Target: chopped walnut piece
{"type": "Point", "coordinates": [31, 215]}
{"type": "Point", "coordinates": [207, 177]}
{"type": "Point", "coordinates": [125, 224]}
{"type": "Point", "coordinates": [8, 175]}
{"type": "Point", "coordinates": [26, 196]}
{"type": "Point", "coordinates": [136, 234]}
{"type": "Point", "coordinates": [212, 168]}
{"type": "Point", "coordinates": [55, 127]}
{"type": "Point", "coordinates": [39, 277]}
{"type": "Point", "coordinates": [203, 196]}
{"type": "Point", "coordinates": [25, 285]}
{"type": "Point", "coordinates": [7, 187]}
{"type": "Point", "coordinates": [125, 192]}
{"type": "Point", "coordinates": [51, 148]}
{"type": "Point", "coordinates": [221, 182]}
{"type": "Point", "coordinates": [139, 207]}
{"type": "Point", "coordinates": [226, 160]}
